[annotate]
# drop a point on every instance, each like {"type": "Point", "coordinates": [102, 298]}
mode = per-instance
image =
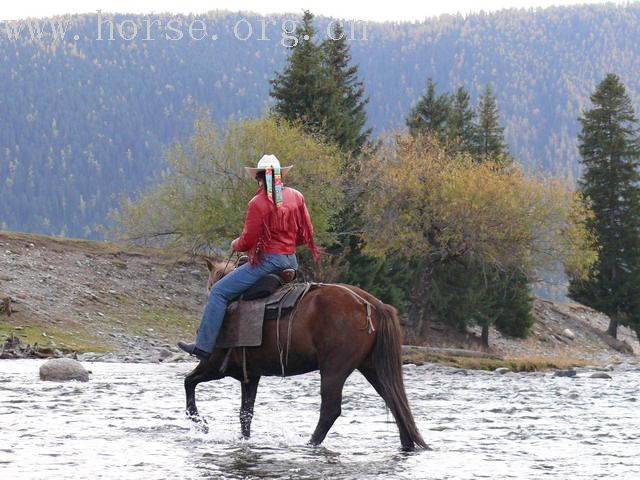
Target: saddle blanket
{"type": "Point", "coordinates": [243, 322]}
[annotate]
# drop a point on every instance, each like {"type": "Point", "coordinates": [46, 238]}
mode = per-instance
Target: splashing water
{"type": "Point", "coordinates": [128, 422]}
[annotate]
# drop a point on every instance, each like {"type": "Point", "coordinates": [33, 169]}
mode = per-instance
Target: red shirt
{"type": "Point", "coordinates": [268, 229]}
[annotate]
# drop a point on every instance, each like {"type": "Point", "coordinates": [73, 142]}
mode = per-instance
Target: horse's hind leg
{"type": "Point", "coordinates": [249, 391]}
{"type": "Point", "coordinates": [331, 406]}
{"type": "Point", "coordinates": [374, 379]}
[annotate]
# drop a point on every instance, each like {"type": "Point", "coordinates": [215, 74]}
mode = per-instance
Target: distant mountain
{"type": "Point", "coordinates": [85, 119]}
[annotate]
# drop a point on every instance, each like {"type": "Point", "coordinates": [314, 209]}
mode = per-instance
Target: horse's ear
{"type": "Point", "coordinates": [210, 265]}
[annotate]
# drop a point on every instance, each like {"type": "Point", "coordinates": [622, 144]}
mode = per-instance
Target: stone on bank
{"type": "Point", "coordinates": [63, 369]}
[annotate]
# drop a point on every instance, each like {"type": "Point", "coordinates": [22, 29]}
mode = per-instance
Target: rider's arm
{"type": "Point", "coordinates": [251, 231]}
{"type": "Point", "coordinates": [305, 231]}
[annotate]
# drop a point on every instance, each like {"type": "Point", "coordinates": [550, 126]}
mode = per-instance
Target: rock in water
{"type": "Point", "coordinates": [600, 375]}
{"type": "Point", "coordinates": [501, 370]}
{"type": "Point", "coordinates": [62, 369]}
{"type": "Point", "coordinates": [565, 373]}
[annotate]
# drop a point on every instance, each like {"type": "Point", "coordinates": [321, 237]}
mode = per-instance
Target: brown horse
{"type": "Point", "coordinates": [331, 332]}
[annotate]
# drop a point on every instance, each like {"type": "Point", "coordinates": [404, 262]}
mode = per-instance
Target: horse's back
{"type": "Point", "coordinates": [330, 325]}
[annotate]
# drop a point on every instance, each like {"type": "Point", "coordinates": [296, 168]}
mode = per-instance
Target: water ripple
{"type": "Point", "coordinates": [128, 422]}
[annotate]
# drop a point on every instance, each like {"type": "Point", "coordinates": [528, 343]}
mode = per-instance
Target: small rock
{"type": "Point", "coordinates": [569, 334]}
{"type": "Point", "coordinates": [164, 354]}
{"type": "Point", "coordinates": [600, 375]}
{"type": "Point", "coordinates": [565, 373]}
{"type": "Point", "coordinates": [626, 367]}
{"type": "Point", "coordinates": [606, 368]}
{"type": "Point", "coordinates": [62, 369]}
{"type": "Point", "coordinates": [178, 357]}
{"type": "Point", "coordinates": [501, 370]}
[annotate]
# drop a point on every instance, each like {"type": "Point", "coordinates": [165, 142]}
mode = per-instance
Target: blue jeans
{"type": "Point", "coordinates": [230, 287]}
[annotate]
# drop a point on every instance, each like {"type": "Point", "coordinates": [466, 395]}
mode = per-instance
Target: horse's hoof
{"type": "Point", "coordinates": [415, 448]}
{"type": "Point", "coordinates": [201, 425]}
{"type": "Point", "coordinates": [199, 422]}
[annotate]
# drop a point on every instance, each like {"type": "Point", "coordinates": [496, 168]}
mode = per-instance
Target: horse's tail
{"type": "Point", "coordinates": [387, 359]}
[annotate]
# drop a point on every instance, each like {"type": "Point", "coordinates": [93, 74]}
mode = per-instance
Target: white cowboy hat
{"type": "Point", "coordinates": [267, 161]}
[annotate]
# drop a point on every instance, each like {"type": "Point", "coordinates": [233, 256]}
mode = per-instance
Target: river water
{"type": "Point", "coordinates": [128, 422]}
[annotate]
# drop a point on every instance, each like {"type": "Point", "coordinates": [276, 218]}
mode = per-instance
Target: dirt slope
{"type": "Point", "coordinates": [100, 297]}
{"type": "Point", "coordinates": [73, 295]}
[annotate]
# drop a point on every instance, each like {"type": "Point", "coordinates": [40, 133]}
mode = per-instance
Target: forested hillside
{"type": "Point", "coordinates": [85, 119]}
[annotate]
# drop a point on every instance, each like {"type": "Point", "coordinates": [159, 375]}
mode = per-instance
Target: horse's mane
{"type": "Point", "coordinates": [220, 268]}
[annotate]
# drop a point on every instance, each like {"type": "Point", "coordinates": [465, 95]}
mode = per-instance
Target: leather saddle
{"type": "Point", "coordinates": [272, 297]}
{"type": "Point", "coordinates": [268, 284]}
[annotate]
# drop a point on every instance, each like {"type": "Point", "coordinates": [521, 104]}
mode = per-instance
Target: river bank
{"type": "Point", "coordinates": [99, 301]}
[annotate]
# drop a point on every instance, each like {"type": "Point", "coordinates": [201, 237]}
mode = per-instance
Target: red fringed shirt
{"type": "Point", "coordinates": [268, 229]}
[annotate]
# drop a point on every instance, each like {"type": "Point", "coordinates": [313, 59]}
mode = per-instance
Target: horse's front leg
{"type": "Point", "coordinates": [202, 373]}
{"type": "Point", "coordinates": [249, 391]}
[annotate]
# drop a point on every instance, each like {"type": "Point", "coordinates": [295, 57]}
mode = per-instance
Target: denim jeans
{"type": "Point", "coordinates": [230, 287]}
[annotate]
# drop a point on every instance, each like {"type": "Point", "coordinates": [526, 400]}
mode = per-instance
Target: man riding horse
{"type": "Point", "coordinates": [338, 328]}
{"type": "Point", "coordinates": [277, 221]}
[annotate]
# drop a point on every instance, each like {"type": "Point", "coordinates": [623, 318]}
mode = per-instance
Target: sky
{"type": "Point", "coordinates": [393, 10]}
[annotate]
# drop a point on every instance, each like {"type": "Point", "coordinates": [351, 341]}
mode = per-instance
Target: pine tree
{"type": "Point", "coordinates": [461, 129]}
{"type": "Point", "coordinates": [489, 135]}
{"type": "Point", "coordinates": [347, 120]}
{"type": "Point", "coordinates": [301, 91]}
{"type": "Point", "coordinates": [431, 113]}
{"type": "Point", "coordinates": [610, 150]}
{"type": "Point", "coordinates": [464, 293]}
{"type": "Point", "coordinates": [348, 116]}
{"type": "Point", "coordinates": [319, 87]}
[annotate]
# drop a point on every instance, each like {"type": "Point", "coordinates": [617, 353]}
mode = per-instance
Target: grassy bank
{"type": "Point", "coordinates": [523, 364]}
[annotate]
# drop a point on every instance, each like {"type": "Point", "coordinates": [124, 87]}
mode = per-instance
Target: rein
{"type": "Point", "coordinates": [227, 264]}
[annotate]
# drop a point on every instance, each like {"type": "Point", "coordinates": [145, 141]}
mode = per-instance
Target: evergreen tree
{"type": "Point", "coordinates": [348, 115]}
{"type": "Point", "coordinates": [320, 88]}
{"type": "Point", "coordinates": [346, 126]}
{"type": "Point", "coordinates": [431, 113]}
{"type": "Point", "coordinates": [461, 294]}
{"type": "Point", "coordinates": [610, 150]}
{"type": "Point", "coordinates": [461, 129]}
{"type": "Point", "coordinates": [489, 135]}
{"type": "Point", "coordinates": [301, 91]}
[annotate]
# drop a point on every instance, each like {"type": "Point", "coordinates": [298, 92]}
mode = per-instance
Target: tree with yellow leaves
{"type": "Point", "coordinates": [200, 202]}
{"type": "Point", "coordinates": [433, 209]}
